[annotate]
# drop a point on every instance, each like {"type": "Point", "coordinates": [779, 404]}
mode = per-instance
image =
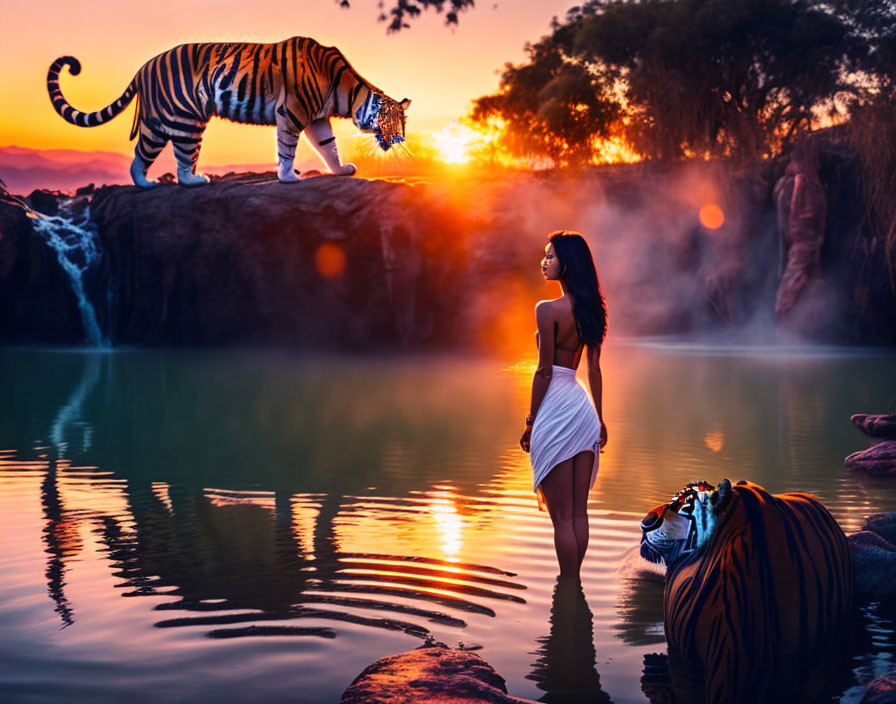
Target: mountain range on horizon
{"type": "Point", "coordinates": [24, 169]}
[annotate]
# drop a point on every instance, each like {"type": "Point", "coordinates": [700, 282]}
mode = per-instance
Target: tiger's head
{"type": "Point", "coordinates": [684, 525]}
{"type": "Point", "coordinates": [384, 117]}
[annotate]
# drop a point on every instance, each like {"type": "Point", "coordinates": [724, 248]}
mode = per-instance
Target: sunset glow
{"type": "Point", "coordinates": [462, 142]}
{"type": "Point", "coordinates": [614, 150]}
{"type": "Point", "coordinates": [711, 216]}
{"type": "Point", "coordinates": [453, 143]}
{"type": "Point", "coordinates": [440, 69]}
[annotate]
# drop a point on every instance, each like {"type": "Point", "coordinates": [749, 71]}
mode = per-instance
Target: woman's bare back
{"type": "Point", "coordinates": [568, 345]}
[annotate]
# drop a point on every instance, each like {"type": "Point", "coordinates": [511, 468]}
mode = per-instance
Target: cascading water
{"type": "Point", "coordinates": [73, 237]}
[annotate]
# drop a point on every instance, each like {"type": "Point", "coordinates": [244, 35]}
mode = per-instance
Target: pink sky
{"type": "Point", "coordinates": [439, 68]}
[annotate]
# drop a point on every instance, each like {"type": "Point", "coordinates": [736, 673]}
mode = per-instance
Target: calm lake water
{"type": "Point", "coordinates": [208, 526]}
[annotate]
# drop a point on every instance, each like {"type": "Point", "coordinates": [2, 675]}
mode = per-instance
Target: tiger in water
{"type": "Point", "coordinates": [296, 84]}
{"type": "Point", "coordinates": [753, 579]}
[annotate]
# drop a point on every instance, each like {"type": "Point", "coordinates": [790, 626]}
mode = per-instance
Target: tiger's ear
{"type": "Point", "coordinates": [405, 104]}
{"type": "Point", "coordinates": [719, 497]}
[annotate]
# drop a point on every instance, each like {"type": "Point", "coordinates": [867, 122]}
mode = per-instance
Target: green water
{"type": "Point", "coordinates": [183, 526]}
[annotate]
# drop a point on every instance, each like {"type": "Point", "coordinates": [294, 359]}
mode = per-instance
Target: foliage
{"type": "Point", "coordinates": [403, 10]}
{"type": "Point", "coordinates": [698, 78]}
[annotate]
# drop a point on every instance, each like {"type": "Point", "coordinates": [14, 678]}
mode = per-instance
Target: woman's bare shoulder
{"type": "Point", "coordinates": [552, 305]}
{"type": "Point", "coordinates": [546, 311]}
{"type": "Point", "coordinates": [555, 306]}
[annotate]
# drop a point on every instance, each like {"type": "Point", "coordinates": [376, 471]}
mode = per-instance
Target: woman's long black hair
{"type": "Point", "coordinates": [577, 268]}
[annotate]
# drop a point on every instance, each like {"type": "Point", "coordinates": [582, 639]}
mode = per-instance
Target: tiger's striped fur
{"type": "Point", "coordinates": [296, 84]}
{"type": "Point", "coordinates": [772, 580]}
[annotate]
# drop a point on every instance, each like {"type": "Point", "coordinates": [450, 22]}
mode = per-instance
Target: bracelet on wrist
{"type": "Point", "coordinates": [530, 420]}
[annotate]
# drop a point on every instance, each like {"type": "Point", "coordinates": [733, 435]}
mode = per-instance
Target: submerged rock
{"type": "Point", "coordinates": [882, 690]}
{"type": "Point", "coordinates": [884, 524]}
{"type": "Point", "coordinates": [874, 566]}
{"type": "Point", "coordinates": [877, 426]}
{"type": "Point", "coordinates": [429, 674]}
{"type": "Point", "coordinates": [878, 459]}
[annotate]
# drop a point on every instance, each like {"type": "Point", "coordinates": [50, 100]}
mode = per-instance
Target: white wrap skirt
{"type": "Point", "coordinates": [566, 424]}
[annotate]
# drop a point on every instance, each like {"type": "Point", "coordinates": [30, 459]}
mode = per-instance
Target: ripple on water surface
{"type": "Point", "coordinates": [197, 525]}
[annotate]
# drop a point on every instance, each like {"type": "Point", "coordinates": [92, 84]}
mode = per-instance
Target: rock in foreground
{"type": "Point", "coordinates": [432, 674]}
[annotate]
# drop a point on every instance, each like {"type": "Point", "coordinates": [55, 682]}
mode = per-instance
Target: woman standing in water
{"type": "Point", "coordinates": [563, 430]}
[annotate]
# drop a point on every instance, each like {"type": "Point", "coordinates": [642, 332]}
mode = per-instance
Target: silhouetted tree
{"type": "Point", "coordinates": [402, 10]}
{"type": "Point", "coordinates": [677, 78]}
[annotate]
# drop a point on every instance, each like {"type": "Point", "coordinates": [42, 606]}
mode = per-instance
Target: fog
{"type": "Point", "coordinates": [662, 270]}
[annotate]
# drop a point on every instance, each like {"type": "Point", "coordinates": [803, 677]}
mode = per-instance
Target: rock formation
{"type": "Point", "coordinates": [434, 674]}
{"type": "Point", "coordinates": [878, 459]}
{"type": "Point", "coordinates": [802, 222]}
{"type": "Point", "coordinates": [873, 551]}
{"type": "Point", "coordinates": [38, 304]}
{"type": "Point", "coordinates": [874, 565]}
{"type": "Point", "coordinates": [876, 426]}
{"type": "Point", "coordinates": [332, 261]}
{"type": "Point", "coordinates": [884, 524]}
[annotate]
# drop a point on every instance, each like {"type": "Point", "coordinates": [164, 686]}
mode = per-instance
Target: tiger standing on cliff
{"type": "Point", "coordinates": [296, 84]}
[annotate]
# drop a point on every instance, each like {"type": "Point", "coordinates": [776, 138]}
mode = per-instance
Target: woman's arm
{"type": "Point", "coordinates": [542, 378]}
{"type": "Point", "coordinates": [596, 382]}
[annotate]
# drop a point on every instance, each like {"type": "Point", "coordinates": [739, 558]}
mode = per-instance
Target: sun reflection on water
{"type": "Point", "coordinates": [450, 524]}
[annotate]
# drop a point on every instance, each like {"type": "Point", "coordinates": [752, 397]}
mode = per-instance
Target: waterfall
{"type": "Point", "coordinates": [73, 237]}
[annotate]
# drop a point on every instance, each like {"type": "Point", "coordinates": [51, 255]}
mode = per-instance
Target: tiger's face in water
{"type": "Point", "coordinates": [677, 529]}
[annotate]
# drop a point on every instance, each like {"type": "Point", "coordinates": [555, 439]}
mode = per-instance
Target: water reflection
{"type": "Point", "coordinates": [564, 667]}
{"type": "Point", "coordinates": [236, 549]}
{"type": "Point", "coordinates": [62, 542]}
{"type": "Point", "coordinates": [243, 554]}
{"type": "Point", "coordinates": [640, 609]}
{"type": "Point", "coordinates": [371, 502]}
{"type": "Point", "coordinates": [61, 529]}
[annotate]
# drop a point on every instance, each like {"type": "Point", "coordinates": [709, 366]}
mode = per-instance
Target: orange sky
{"type": "Point", "coordinates": [440, 69]}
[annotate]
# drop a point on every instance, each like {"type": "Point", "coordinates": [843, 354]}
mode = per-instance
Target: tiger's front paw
{"type": "Point", "coordinates": [287, 176]}
{"type": "Point", "coordinates": [347, 170]}
{"type": "Point", "coordinates": [191, 179]}
{"type": "Point", "coordinates": [138, 174]}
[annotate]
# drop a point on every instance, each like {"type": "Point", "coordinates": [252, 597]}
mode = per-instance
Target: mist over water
{"type": "Point", "coordinates": [662, 269]}
{"type": "Point", "coordinates": [185, 525]}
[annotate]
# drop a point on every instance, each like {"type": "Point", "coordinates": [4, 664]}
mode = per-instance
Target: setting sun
{"type": "Point", "coordinates": [454, 142]}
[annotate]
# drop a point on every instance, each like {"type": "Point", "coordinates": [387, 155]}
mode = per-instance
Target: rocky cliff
{"type": "Point", "coordinates": [332, 261]}
{"type": "Point", "coordinates": [328, 262]}
{"type": "Point", "coordinates": [348, 262]}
